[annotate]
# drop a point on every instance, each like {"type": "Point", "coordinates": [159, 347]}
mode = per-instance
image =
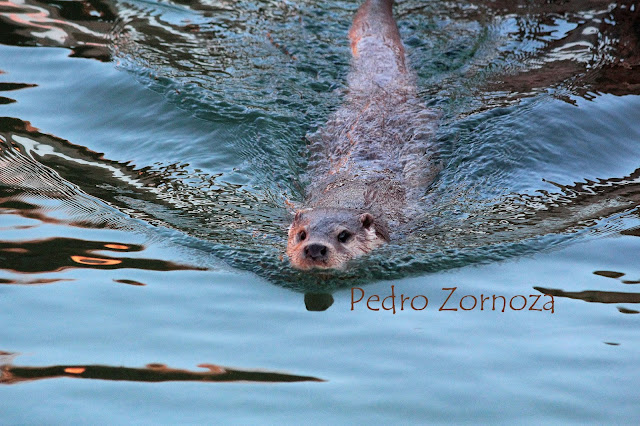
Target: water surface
{"type": "Point", "coordinates": [150, 153]}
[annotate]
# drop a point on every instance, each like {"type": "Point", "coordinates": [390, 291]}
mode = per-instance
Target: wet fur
{"type": "Point", "coordinates": [374, 155]}
{"type": "Point", "coordinates": [322, 226]}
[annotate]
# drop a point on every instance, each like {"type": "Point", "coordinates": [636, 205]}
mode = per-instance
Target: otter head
{"type": "Point", "coordinates": [327, 238]}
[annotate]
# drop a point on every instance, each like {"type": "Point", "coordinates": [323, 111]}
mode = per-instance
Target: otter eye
{"type": "Point", "coordinates": [344, 236]}
{"type": "Point", "coordinates": [302, 235]}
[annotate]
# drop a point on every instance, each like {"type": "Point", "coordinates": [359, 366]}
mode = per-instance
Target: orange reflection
{"type": "Point", "coordinates": [215, 369]}
{"type": "Point", "coordinates": [117, 246]}
{"type": "Point", "coordinates": [15, 250]}
{"type": "Point", "coordinates": [75, 370]}
{"type": "Point", "coordinates": [57, 254]}
{"type": "Point", "coordinates": [95, 261]}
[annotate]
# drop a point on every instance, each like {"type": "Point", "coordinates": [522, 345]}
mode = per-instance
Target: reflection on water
{"type": "Point", "coordinates": [211, 60]}
{"type": "Point", "coordinates": [577, 47]}
{"type": "Point", "coordinates": [56, 254]}
{"type": "Point", "coordinates": [597, 296]}
{"type": "Point", "coordinates": [152, 373]}
{"type": "Point", "coordinates": [144, 136]}
{"type": "Point", "coordinates": [7, 87]}
{"type": "Point", "coordinates": [594, 296]}
{"type": "Point", "coordinates": [80, 26]}
{"type": "Point", "coordinates": [609, 274]}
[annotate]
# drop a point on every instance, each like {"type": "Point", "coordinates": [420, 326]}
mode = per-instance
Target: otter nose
{"type": "Point", "coordinates": [315, 251]}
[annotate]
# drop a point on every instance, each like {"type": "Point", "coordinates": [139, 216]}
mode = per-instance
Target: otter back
{"type": "Point", "coordinates": [375, 151]}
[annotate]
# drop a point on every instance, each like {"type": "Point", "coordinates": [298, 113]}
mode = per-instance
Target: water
{"type": "Point", "coordinates": [148, 155]}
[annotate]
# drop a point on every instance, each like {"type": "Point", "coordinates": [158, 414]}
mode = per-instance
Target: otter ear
{"type": "Point", "coordinates": [380, 228]}
{"type": "Point", "coordinates": [367, 220]}
{"type": "Point", "coordinates": [300, 214]}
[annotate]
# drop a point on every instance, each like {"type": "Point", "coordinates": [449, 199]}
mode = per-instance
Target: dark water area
{"type": "Point", "coordinates": [152, 153]}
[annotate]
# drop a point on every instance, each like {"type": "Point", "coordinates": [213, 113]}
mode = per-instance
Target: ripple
{"type": "Point", "coordinates": [269, 74]}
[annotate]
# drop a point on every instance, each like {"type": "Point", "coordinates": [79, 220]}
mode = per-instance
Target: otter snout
{"type": "Point", "coordinates": [327, 238]}
{"type": "Point", "coordinates": [316, 252]}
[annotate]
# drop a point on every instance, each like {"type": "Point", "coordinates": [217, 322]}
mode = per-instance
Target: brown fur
{"type": "Point", "coordinates": [372, 161]}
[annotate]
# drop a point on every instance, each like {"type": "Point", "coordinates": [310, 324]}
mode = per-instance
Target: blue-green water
{"type": "Point", "coordinates": [148, 155]}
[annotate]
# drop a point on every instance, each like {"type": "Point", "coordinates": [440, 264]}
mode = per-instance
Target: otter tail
{"type": "Point", "coordinates": [375, 39]}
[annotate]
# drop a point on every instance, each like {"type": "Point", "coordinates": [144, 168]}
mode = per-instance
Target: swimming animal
{"type": "Point", "coordinates": [373, 160]}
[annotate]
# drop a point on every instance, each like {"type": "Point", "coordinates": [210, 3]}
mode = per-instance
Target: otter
{"type": "Point", "coordinates": [373, 160]}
